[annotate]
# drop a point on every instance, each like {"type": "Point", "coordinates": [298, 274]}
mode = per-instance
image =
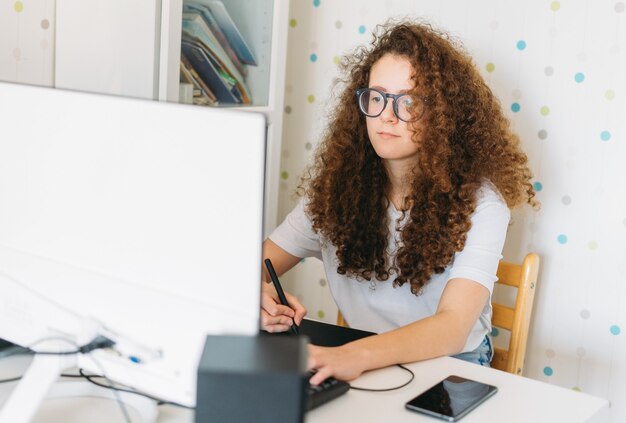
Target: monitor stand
{"type": "Point", "coordinates": [25, 399]}
{"type": "Point", "coordinates": [40, 381]}
{"type": "Point", "coordinates": [5, 344]}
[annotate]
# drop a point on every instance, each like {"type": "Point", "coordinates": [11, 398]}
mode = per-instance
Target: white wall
{"type": "Point", "coordinates": [573, 64]}
{"type": "Point", "coordinates": [27, 41]}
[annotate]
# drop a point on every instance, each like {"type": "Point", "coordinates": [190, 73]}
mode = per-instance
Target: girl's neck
{"type": "Point", "coordinates": [400, 177]}
{"type": "Point", "coordinates": [398, 201]}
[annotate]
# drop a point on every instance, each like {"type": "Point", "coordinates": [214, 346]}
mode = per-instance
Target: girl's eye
{"type": "Point", "coordinates": [406, 101]}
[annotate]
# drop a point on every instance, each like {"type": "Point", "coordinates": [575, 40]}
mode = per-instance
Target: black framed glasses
{"type": "Point", "coordinates": [406, 107]}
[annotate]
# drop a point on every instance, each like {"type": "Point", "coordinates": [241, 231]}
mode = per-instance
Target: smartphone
{"type": "Point", "coordinates": [452, 398]}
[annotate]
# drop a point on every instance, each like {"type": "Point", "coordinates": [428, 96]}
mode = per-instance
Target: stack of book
{"type": "Point", "coordinates": [214, 55]}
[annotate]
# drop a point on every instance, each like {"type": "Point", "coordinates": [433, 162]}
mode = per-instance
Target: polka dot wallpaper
{"type": "Point", "coordinates": [557, 68]}
{"type": "Point", "coordinates": [27, 41]}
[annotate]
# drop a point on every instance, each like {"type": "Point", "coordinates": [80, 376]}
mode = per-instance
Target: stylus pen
{"type": "Point", "coordinates": [281, 293]}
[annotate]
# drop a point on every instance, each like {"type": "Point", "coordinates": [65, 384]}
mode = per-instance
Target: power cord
{"type": "Point", "coordinates": [388, 389]}
{"type": "Point", "coordinates": [116, 394]}
{"type": "Point", "coordinates": [159, 401]}
{"type": "Point", "coordinates": [13, 379]}
{"type": "Point", "coordinates": [97, 343]}
{"type": "Point", "coordinates": [90, 378]}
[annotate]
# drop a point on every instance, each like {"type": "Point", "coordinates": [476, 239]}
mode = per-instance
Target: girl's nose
{"type": "Point", "coordinates": [388, 115]}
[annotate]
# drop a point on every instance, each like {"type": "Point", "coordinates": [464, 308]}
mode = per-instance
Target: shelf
{"type": "Point", "coordinates": [255, 19]}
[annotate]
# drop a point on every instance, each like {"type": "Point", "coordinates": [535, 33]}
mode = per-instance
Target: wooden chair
{"type": "Point", "coordinates": [517, 319]}
{"type": "Point", "coordinates": [340, 320]}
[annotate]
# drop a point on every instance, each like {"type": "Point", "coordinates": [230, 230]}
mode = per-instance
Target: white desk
{"type": "Point", "coordinates": [518, 399]}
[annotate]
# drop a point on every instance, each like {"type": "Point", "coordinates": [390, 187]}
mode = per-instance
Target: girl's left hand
{"type": "Point", "coordinates": [344, 362]}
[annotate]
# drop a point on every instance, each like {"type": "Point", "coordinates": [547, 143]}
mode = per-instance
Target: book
{"type": "Point", "coordinates": [221, 88]}
{"type": "Point", "coordinates": [195, 27]}
{"type": "Point", "coordinates": [186, 92]}
{"type": "Point", "coordinates": [217, 32]}
{"type": "Point", "coordinates": [231, 32]}
{"type": "Point", "coordinates": [235, 85]}
{"type": "Point", "coordinates": [202, 94]}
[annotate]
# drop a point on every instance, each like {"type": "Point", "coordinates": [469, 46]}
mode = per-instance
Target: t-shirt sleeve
{"type": "Point", "coordinates": [478, 261]}
{"type": "Point", "coordinates": [296, 235]}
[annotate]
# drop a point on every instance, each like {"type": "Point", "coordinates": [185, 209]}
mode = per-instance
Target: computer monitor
{"type": "Point", "coordinates": [135, 219]}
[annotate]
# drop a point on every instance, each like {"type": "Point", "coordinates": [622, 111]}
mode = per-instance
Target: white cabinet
{"type": "Point", "coordinates": [132, 48]}
{"type": "Point", "coordinates": [108, 46]}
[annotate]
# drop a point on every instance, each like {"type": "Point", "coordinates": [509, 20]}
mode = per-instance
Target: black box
{"type": "Point", "coordinates": [252, 379]}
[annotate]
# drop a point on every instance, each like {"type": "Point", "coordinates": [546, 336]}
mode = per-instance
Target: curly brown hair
{"type": "Point", "coordinates": [467, 141]}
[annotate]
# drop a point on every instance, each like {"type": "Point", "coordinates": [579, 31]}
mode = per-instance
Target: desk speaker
{"type": "Point", "coordinates": [252, 379]}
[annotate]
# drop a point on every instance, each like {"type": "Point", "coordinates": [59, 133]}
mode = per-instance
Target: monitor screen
{"type": "Point", "coordinates": [134, 218]}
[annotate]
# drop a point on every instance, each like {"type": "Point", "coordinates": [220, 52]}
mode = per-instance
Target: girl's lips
{"type": "Point", "coordinates": [387, 135]}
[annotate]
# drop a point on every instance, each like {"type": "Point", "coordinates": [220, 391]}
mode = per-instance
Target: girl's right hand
{"type": "Point", "coordinates": [276, 317]}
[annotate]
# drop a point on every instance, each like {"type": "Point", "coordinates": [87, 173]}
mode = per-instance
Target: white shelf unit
{"type": "Point", "coordinates": [133, 49]}
{"type": "Point", "coordinates": [109, 47]}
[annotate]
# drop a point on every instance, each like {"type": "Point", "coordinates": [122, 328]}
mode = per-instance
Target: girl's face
{"type": "Point", "coordinates": [390, 136]}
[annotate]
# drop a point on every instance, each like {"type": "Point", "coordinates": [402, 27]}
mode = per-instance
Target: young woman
{"type": "Point", "coordinates": [407, 204]}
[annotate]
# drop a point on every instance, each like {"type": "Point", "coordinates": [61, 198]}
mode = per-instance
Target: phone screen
{"type": "Point", "coordinates": [452, 398]}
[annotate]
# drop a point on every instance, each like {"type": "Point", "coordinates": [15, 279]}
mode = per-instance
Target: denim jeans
{"type": "Point", "coordinates": [481, 355]}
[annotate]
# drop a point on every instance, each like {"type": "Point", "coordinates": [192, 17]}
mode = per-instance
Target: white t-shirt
{"type": "Point", "coordinates": [379, 307]}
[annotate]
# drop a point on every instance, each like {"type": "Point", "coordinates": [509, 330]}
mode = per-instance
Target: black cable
{"type": "Point", "coordinates": [116, 394]}
{"type": "Point", "coordinates": [388, 389]}
{"type": "Point", "coordinates": [13, 379]}
{"type": "Point", "coordinates": [96, 343]}
{"type": "Point", "coordinates": [130, 391]}
{"type": "Point", "coordinates": [56, 353]}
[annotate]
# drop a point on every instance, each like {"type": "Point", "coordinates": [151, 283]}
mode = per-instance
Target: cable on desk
{"type": "Point", "coordinates": [116, 394]}
{"type": "Point", "coordinates": [388, 389]}
{"type": "Point", "coordinates": [91, 378]}
{"type": "Point", "coordinates": [13, 379]}
{"type": "Point", "coordinates": [96, 343]}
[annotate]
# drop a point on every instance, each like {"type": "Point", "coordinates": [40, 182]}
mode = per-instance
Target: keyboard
{"type": "Point", "coordinates": [326, 335]}
{"type": "Point", "coordinates": [328, 390]}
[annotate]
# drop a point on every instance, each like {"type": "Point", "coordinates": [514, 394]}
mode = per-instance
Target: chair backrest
{"type": "Point", "coordinates": [517, 319]}
{"type": "Point", "coordinates": [340, 320]}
